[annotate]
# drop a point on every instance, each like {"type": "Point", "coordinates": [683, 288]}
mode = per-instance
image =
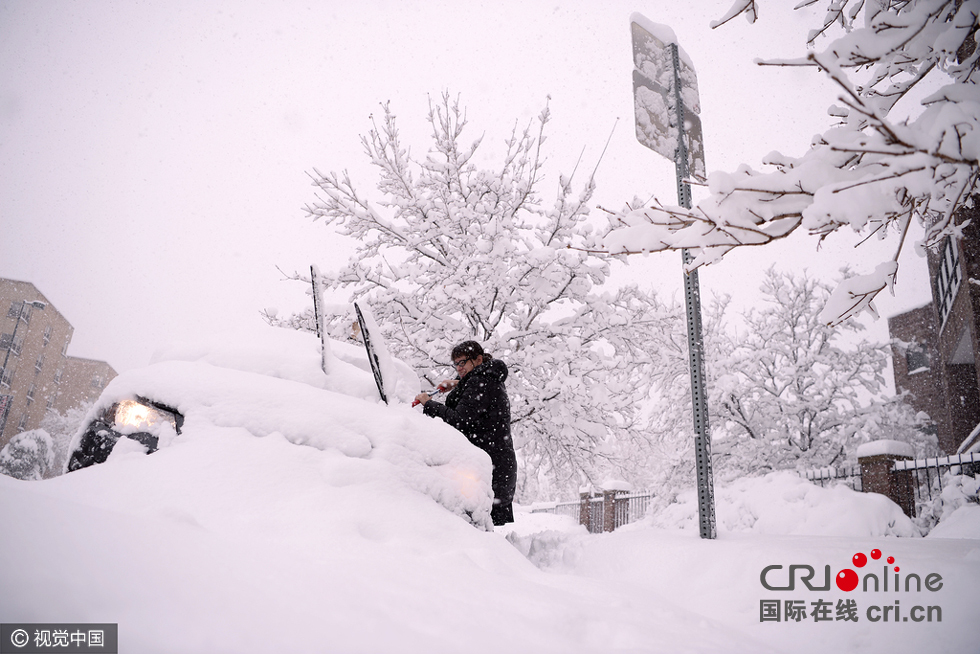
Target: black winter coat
{"type": "Point", "coordinates": [479, 408]}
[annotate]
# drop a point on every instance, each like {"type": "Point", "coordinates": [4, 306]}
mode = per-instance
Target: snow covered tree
{"type": "Point", "coordinates": [666, 466]}
{"type": "Point", "coordinates": [62, 427]}
{"type": "Point", "coordinates": [452, 251]}
{"type": "Point", "coordinates": [884, 164]}
{"type": "Point", "coordinates": [29, 455]}
{"type": "Point", "coordinates": [798, 393]}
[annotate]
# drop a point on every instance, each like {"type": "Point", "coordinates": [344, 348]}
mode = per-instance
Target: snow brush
{"type": "Point", "coordinates": [431, 393]}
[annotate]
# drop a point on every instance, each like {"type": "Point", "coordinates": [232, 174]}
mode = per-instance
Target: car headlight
{"type": "Point", "coordinates": [132, 416]}
{"type": "Point", "coordinates": [150, 423]}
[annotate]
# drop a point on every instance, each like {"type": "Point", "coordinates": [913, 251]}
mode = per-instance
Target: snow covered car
{"type": "Point", "coordinates": [271, 384]}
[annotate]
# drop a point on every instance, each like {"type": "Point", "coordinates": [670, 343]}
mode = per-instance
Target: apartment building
{"type": "Point", "coordinates": [937, 360]}
{"type": "Point", "coordinates": [36, 374]}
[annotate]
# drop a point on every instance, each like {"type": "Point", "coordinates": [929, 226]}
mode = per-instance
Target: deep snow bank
{"type": "Point", "coordinates": [232, 543]}
{"type": "Point", "coordinates": [781, 503]}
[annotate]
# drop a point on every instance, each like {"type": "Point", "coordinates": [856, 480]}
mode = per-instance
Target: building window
{"type": "Point", "coordinates": [58, 375]}
{"type": "Point", "coordinates": [47, 334]}
{"type": "Point", "coordinates": [18, 344]}
{"type": "Point", "coordinates": [22, 425]}
{"type": "Point", "coordinates": [916, 358]}
{"type": "Point", "coordinates": [50, 403]}
{"type": "Point", "coordinates": [6, 376]}
{"type": "Point", "coordinates": [30, 395]}
{"type": "Point", "coordinates": [7, 342]}
{"type": "Point", "coordinates": [39, 363]}
{"type": "Point", "coordinates": [947, 280]}
{"type": "Point", "coordinates": [14, 311]}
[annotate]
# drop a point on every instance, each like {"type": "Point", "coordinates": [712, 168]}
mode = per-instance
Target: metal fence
{"type": "Point", "coordinates": [928, 474]}
{"type": "Point", "coordinates": [916, 479]}
{"type": "Point", "coordinates": [605, 512]}
{"type": "Point", "coordinates": [633, 508]}
{"type": "Point", "coordinates": [571, 509]}
{"type": "Point", "coordinates": [850, 474]}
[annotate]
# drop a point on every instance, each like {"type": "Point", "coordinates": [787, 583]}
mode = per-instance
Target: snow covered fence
{"type": "Point", "coordinates": [850, 474]}
{"type": "Point", "coordinates": [968, 464]}
{"type": "Point", "coordinates": [604, 510]}
{"type": "Point", "coordinates": [889, 468]}
{"type": "Point", "coordinates": [631, 507]}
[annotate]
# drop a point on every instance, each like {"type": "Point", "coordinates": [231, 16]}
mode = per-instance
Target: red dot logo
{"type": "Point", "coordinates": [875, 554]}
{"type": "Point", "coordinates": [859, 560]}
{"type": "Point", "coordinates": [891, 559]}
{"type": "Point", "coordinates": [847, 580]}
{"type": "Point", "coordinates": [896, 568]}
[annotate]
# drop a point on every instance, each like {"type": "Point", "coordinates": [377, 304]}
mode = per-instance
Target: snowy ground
{"type": "Point", "coordinates": [235, 541]}
{"type": "Point", "coordinates": [209, 548]}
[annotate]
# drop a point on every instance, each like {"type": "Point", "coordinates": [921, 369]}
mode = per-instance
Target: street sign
{"type": "Point", "coordinates": [659, 120]}
{"type": "Point", "coordinates": [656, 124]}
{"type": "Point", "coordinates": [652, 59]}
{"type": "Point", "coordinates": [666, 103]}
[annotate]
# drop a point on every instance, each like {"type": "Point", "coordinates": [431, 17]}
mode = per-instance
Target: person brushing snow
{"type": "Point", "coordinates": [478, 406]}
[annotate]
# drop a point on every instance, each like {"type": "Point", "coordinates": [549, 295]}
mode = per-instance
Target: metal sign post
{"type": "Point", "coordinates": [666, 103]}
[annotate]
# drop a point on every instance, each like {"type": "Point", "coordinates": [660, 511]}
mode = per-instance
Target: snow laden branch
{"type": "Point", "coordinates": [873, 172]}
{"type": "Point", "coordinates": [450, 251]}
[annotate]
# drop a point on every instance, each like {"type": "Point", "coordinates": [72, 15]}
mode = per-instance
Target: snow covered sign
{"type": "Point", "coordinates": [666, 102]}
{"type": "Point", "coordinates": [665, 96]}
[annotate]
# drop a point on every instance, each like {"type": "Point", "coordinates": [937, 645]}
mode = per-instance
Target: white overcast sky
{"type": "Point", "coordinates": [154, 155]}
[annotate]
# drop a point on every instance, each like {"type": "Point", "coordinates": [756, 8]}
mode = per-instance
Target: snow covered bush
{"type": "Point", "coordinates": [451, 251]}
{"type": "Point", "coordinates": [883, 164]}
{"type": "Point", "coordinates": [29, 455]}
{"type": "Point", "coordinates": [42, 453]}
{"type": "Point", "coordinates": [958, 490]}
